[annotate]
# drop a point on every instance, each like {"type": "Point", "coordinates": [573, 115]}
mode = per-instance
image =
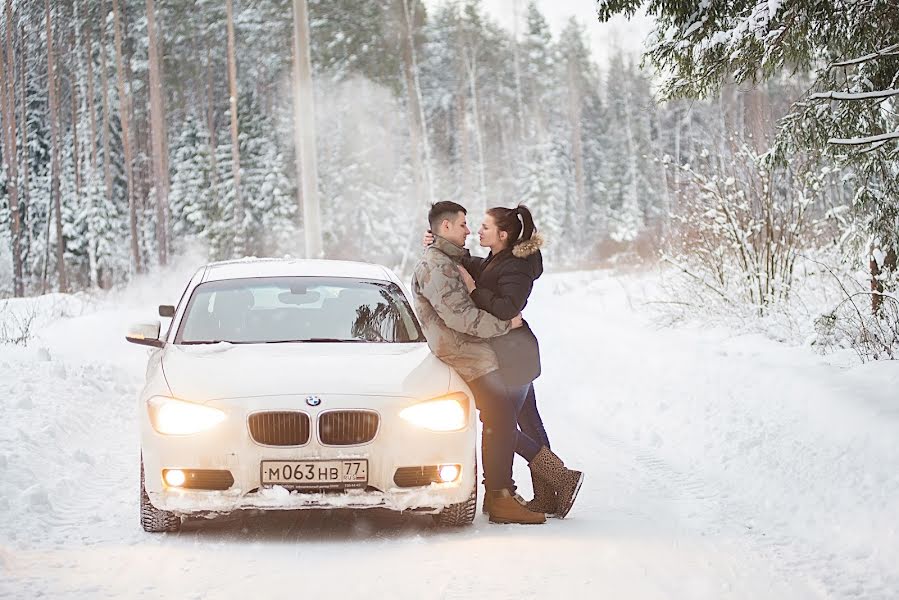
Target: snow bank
{"type": "Point", "coordinates": [720, 464]}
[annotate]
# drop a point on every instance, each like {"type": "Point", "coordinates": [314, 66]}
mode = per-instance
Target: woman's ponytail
{"type": "Point", "coordinates": [516, 222]}
{"type": "Point", "coordinates": [527, 220]}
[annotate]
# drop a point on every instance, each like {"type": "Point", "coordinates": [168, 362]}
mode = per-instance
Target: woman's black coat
{"type": "Point", "coordinates": [504, 281]}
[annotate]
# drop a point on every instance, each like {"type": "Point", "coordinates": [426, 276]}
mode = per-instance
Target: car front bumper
{"type": "Point", "coordinates": [229, 446]}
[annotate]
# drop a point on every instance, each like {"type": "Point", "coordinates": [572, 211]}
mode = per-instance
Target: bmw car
{"type": "Point", "coordinates": [284, 384]}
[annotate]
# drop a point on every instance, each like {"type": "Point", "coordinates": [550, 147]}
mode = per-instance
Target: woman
{"type": "Point", "coordinates": [501, 284]}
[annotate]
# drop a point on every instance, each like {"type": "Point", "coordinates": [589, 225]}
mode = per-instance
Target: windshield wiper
{"type": "Point", "coordinates": [328, 340]}
{"type": "Point", "coordinates": [196, 342]}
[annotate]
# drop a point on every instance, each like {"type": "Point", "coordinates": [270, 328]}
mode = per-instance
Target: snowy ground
{"type": "Point", "coordinates": [718, 466]}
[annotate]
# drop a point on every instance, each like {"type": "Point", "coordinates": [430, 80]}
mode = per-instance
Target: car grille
{"type": "Point", "coordinates": [416, 476]}
{"type": "Point", "coordinates": [347, 427]}
{"type": "Point", "coordinates": [287, 428]}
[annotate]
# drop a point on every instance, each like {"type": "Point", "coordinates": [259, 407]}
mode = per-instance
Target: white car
{"type": "Point", "coordinates": [296, 384]}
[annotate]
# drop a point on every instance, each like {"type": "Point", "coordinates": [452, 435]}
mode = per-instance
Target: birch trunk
{"type": "Point", "coordinates": [158, 133]}
{"type": "Point", "coordinates": [516, 64]}
{"type": "Point", "coordinates": [54, 151]}
{"type": "Point", "coordinates": [125, 116]}
{"type": "Point", "coordinates": [417, 122]}
{"type": "Point", "coordinates": [577, 146]}
{"type": "Point", "coordinates": [76, 162]}
{"type": "Point", "coordinates": [471, 64]}
{"type": "Point", "coordinates": [238, 214]}
{"type": "Point", "coordinates": [462, 143]}
{"type": "Point", "coordinates": [10, 154]}
{"type": "Point", "coordinates": [210, 118]}
{"type": "Point", "coordinates": [304, 132]}
{"type": "Point", "coordinates": [93, 274]}
{"type": "Point", "coordinates": [26, 157]}
{"type": "Point", "coordinates": [104, 87]}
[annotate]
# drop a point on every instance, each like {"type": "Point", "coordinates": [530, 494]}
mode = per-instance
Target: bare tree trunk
{"type": "Point", "coordinates": [756, 115]}
{"type": "Point", "coordinates": [412, 106]}
{"type": "Point", "coordinates": [516, 64]}
{"type": "Point", "coordinates": [889, 265]}
{"type": "Point", "coordinates": [54, 152]}
{"type": "Point", "coordinates": [304, 131]}
{"type": "Point", "coordinates": [632, 156]}
{"type": "Point", "coordinates": [471, 67]}
{"type": "Point", "coordinates": [417, 122]}
{"type": "Point", "coordinates": [104, 86]}
{"type": "Point", "coordinates": [158, 133]}
{"type": "Point", "coordinates": [22, 211]}
{"type": "Point", "coordinates": [666, 188]}
{"type": "Point", "coordinates": [125, 116]}
{"type": "Point", "coordinates": [462, 142]}
{"type": "Point", "coordinates": [93, 277]}
{"type": "Point", "coordinates": [238, 215]}
{"type": "Point", "coordinates": [76, 162]}
{"type": "Point", "coordinates": [210, 117]}
{"type": "Point", "coordinates": [91, 104]}
{"type": "Point", "coordinates": [10, 154]}
{"type": "Point", "coordinates": [210, 120]}
{"type": "Point", "coordinates": [577, 145]}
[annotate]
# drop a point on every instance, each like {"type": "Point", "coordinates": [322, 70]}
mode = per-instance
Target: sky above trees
{"type": "Point", "coordinates": [604, 38]}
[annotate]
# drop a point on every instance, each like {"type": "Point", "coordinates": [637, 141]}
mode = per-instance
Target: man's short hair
{"type": "Point", "coordinates": [443, 210]}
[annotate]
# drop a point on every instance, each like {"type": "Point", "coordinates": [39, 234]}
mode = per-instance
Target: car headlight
{"type": "Point", "coordinates": [176, 417]}
{"type": "Point", "coordinates": [447, 413]}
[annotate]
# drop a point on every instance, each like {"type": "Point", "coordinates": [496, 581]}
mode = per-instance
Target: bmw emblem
{"type": "Point", "coordinates": [313, 400]}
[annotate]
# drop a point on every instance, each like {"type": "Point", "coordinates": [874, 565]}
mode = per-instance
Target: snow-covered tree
{"type": "Point", "coordinates": [851, 111]}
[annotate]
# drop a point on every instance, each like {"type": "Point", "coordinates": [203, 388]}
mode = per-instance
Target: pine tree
{"type": "Point", "coordinates": [851, 111]}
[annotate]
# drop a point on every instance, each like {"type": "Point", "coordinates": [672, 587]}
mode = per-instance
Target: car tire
{"type": "Point", "coordinates": [152, 519]}
{"type": "Point", "coordinates": [461, 514]}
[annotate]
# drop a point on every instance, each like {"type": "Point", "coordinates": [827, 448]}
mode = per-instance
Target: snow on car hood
{"type": "Point", "coordinates": [202, 373]}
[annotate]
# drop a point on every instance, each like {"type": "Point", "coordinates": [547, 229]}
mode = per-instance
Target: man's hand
{"type": "Point", "coordinates": [517, 321]}
{"type": "Point", "coordinates": [467, 279]}
{"type": "Point", "coordinates": [427, 239]}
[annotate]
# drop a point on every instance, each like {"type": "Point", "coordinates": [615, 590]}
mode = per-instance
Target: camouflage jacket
{"type": "Point", "coordinates": [456, 329]}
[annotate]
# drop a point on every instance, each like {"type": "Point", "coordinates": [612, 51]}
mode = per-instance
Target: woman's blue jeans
{"type": "Point", "coordinates": [529, 421]}
{"type": "Point", "coordinates": [499, 406]}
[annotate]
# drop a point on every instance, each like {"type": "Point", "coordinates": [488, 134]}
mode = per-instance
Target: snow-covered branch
{"type": "Point", "coordinates": [855, 95]}
{"type": "Point", "coordinates": [888, 51]}
{"type": "Point", "coordinates": [893, 135]}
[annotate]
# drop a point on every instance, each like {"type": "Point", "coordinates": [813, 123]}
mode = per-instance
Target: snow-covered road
{"type": "Point", "coordinates": [718, 466]}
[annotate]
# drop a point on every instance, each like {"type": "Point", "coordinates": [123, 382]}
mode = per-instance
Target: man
{"type": "Point", "coordinates": [457, 333]}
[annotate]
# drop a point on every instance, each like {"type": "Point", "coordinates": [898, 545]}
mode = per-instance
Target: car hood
{"type": "Point", "coordinates": [203, 373]}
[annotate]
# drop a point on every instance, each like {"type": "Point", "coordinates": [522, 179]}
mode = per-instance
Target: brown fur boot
{"type": "Point", "coordinates": [564, 481]}
{"type": "Point", "coordinates": [504, 507]}
{"type": "Point", "coordinates": [544, 497]}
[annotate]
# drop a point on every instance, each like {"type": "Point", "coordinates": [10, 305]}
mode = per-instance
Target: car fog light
{"type": "Point", "coordinates": [449, 473]}
{"type": "Point", "coordinates": [174, 477]}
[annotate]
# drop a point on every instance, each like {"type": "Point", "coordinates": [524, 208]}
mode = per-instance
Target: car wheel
{"type": "Point", "coordinates": [461, 514]}
{"type": "Point", "coordinates": [152, 519]}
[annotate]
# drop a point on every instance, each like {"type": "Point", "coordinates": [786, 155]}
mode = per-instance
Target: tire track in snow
{"type": "Point", "coordinates": [764, 457]}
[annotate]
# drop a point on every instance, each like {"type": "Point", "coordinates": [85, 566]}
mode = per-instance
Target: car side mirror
{"type": "Point", "coordinates": [166, 310]}
{"type": "Point", "coordinates": [145, 334]}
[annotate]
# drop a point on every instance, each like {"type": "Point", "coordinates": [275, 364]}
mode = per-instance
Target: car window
{"type": "Point", "coordinates": [298, 309]}
{"type": "Point", "coordinates": [168, 330]}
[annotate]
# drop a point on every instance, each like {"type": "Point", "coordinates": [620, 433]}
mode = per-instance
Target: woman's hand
{"type": "Point", "coordinates": [427, 239]}
{"type": "Point", "coordinates": [467, 279]}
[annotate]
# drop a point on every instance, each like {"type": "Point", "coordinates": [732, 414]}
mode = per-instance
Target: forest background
{"type": "Point", "coordinates": [136, 130]}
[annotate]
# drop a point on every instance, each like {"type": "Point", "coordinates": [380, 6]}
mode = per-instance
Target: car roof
{"type": "Point", "coordinates": [294, 267]}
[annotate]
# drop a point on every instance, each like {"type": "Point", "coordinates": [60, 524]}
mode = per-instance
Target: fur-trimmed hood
{"type": "Point", "coordinates": [528, 251]}
{"type": "Point", "coordinates": [528, 247]}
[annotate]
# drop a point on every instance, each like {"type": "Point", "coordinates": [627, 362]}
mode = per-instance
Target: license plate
{"type": "Point", "coordinates": [315, 473]}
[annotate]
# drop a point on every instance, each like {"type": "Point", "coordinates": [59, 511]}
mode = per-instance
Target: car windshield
{"type": "Point", "coordinates": [298, 309]}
